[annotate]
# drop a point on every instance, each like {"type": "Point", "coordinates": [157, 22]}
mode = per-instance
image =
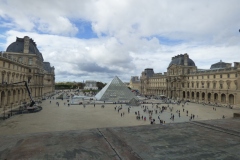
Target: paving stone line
{"type": "Point", "coordinates": [217, 128]}
{"type": "Point", "coordinates": [109, 144]}
{"type": "Point", "coordinates": [122, 144]}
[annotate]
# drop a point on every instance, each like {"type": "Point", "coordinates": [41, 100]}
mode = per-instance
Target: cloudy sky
{"type": "Point", "coordinates": [98, 39]}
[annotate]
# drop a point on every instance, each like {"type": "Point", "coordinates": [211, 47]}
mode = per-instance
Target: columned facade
{"type": "Point", "coordinates": [183, 81]}
{"type": "Point", "coordinates": [23, 62]}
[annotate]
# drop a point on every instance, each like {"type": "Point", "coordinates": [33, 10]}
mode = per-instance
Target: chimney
{"type": "Point", "coordinates": [186, 57]}
{"type": "Point", "coordinates": [26, 45]}
{"type": "Point", "coordinates": [237, 64]}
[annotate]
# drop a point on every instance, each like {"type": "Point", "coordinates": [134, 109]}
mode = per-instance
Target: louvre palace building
{"type": "Point", "coordinates": [22, 61]}
{"type": "Point", "coordinates": [184, 81]}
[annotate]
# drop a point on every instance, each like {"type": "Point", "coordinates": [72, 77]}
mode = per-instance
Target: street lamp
{"type": "Point", "coordinates": [11, 108]}
{"type": "Point", "coordinates": [4, 112]}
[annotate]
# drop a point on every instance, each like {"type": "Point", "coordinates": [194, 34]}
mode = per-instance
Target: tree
{"type": "Point", "coordinates": [69, 85]}
{"type": "Point", "coordinates": [100, 85]}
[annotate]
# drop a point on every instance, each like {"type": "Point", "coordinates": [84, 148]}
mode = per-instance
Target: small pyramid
{"type": "Point", "coordinates": [133, 102]}
{"type": "Point", "coordinates": [115, 91]}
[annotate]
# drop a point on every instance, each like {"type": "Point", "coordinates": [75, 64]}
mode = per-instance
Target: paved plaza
{"type": "Point", "coordinates": [75, 117]}
{"type": "Point", "coordinates": [78, 132]}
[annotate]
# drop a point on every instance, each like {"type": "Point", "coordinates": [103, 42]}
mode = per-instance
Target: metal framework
{"type": "Point", "coordinates": [115, 91]}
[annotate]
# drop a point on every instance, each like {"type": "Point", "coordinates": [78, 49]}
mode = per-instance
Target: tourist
{"type": "Point", "coordinates": [151, 122]}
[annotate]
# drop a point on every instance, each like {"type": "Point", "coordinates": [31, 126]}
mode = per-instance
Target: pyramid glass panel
{"type": "Point", "coordinates": [115, 91]}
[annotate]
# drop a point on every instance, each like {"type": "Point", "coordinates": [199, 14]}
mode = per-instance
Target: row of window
{"type": "Point", "coordinates": [208, 85]}
{"type": "Point", "coordinates": [203, 77]}
{"type": "Point", "coordinates": [14, 67]}
{"type": "Point", "coordinates": [11, 79]}
{"type": "Point", "coordinates": [30, 62]}
{"type": "Point", "coordinates": [214, 76]}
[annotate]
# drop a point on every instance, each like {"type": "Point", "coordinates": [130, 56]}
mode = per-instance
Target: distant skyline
{"type": "Point", "coordinates": [100, 39]}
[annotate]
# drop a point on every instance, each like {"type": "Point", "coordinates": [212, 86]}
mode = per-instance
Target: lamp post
{"type": "Point", "coordinates": [4, 112]}
{"type": "Point", "coordinates": [11, 108]}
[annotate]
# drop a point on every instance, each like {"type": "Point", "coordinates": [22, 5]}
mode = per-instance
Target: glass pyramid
{"type": "Point", "coordinates": [115, 91]}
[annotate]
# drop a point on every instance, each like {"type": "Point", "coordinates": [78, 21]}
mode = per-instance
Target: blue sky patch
{"type": "Point", "coordinates": [84, 29]}
{"type": "Point", "coordinates": [165, 40]}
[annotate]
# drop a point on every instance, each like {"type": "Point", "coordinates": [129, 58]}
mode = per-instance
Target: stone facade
{"type": "Point", "coordinates": [135, 83]}
{"type": "Point", "coordinates": [184, 81]}
{"type": "Point", "coordinates": [91, 85]}
{"type": "Point", "coordinates": [23, 62]}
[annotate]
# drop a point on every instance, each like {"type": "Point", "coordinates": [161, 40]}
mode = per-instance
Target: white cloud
{"type": "Point", "coordinates": [206, 30]}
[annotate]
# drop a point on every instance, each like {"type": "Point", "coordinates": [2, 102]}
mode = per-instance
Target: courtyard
{"type": "Point", "coordinates": [62, 117]}
{"type": "Point", "coordinates": [96, 132]}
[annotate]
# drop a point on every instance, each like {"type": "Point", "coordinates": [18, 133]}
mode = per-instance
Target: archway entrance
{"type": "Point", "coordinates": [209, 97]}
{"type": "Point", "coordinates": [197, 97]}
{"type": "Point", "coordinates": [215, 97]}
{"type": "Point", "coordinates": [231, 99]}
{"type": "Point", "coordinates": [203, 96]}
{"type": "Point", "coordinates": [223, 98]}
{"type": "Point", "coordinates": [2, 99]}
{"type": "Point", "coordinates": [184, 96]}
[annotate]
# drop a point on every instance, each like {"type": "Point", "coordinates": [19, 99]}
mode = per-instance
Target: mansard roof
{"type": "Point", "coordinates": [47, 67]}
{"type": "Point", "coordinates": [18, 47]}
{"type": "Point", "coordinates": [179, 60]}
{"type": "Point", "coordinates": [219, 65]}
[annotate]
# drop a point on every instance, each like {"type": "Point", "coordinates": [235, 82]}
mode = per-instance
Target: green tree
{"type": "Point", "coordinates": [100, 85]}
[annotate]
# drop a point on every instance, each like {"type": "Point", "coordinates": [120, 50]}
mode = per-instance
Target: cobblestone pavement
{"type": "Point", "coordinates": [78, 132]}
{"type": "Point", "coordinates": [209, 139]}
{"type": "Point", "coordinates": [75, 117]}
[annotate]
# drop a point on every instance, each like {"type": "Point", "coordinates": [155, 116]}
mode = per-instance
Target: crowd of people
{"type": "Point", "coordinates": [148, 111]}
